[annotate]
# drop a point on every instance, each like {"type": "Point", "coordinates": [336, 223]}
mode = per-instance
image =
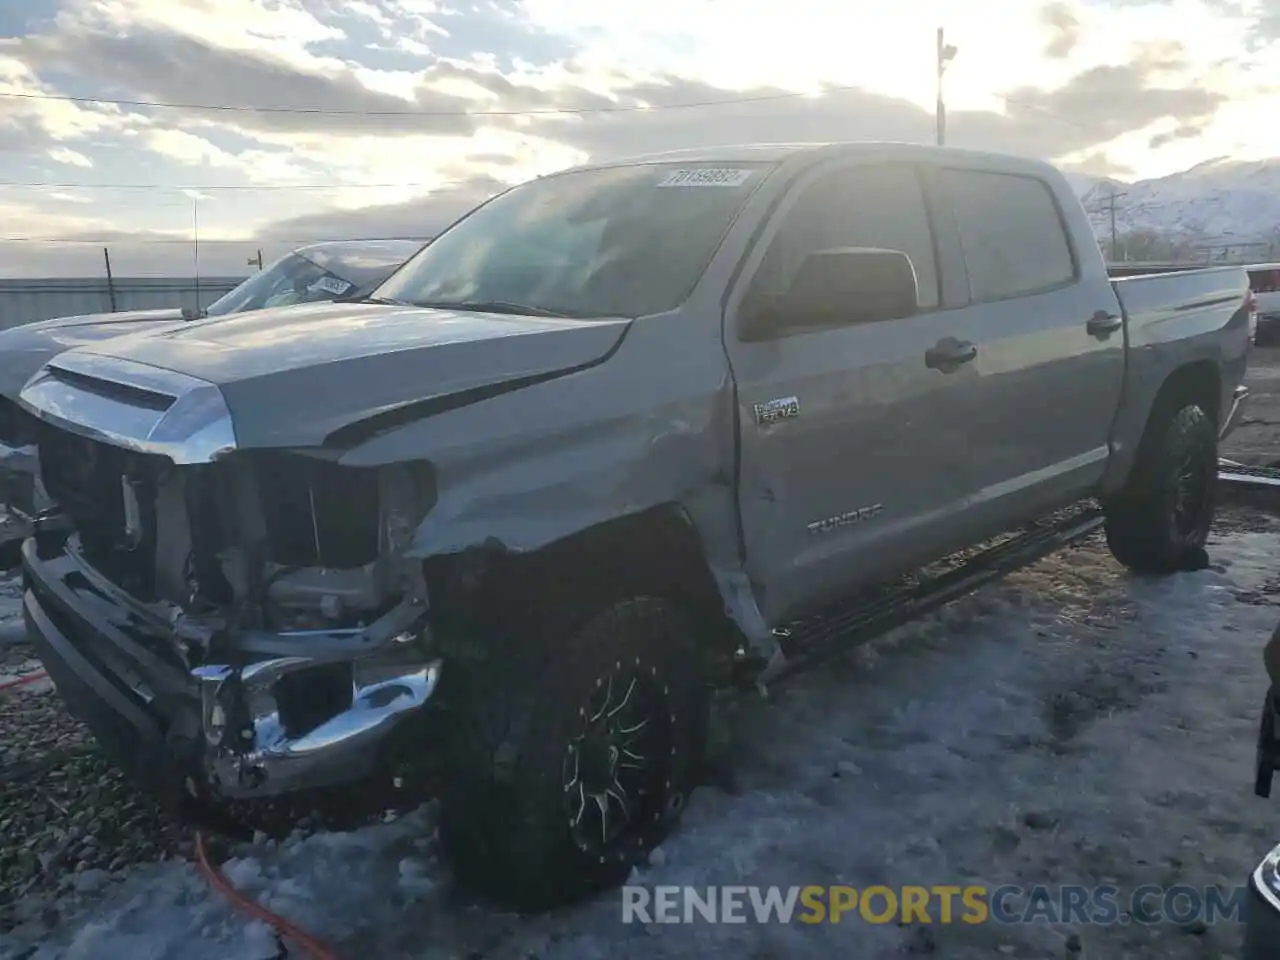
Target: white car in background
{"type": "Point", "coordinates": [333, 270]}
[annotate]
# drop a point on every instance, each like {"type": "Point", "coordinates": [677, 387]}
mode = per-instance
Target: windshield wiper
{"type": "Point", "coordinates": [494, 306]}
{"type": "Point", "coordinates": [385, 301]}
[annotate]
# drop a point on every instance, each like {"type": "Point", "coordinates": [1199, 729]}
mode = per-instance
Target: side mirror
{"type": "Point", "coordinates": [838, 287]}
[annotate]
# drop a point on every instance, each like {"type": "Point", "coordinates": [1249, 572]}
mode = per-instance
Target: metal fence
{"type": "Point", "coordinates": [24, 301]}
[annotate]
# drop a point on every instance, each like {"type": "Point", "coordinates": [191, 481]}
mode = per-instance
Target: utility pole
{"type": "Point", "coordinates": [195, 245]}
{"type": "Point", "coordinates": [1111, 213]}
{"type": "Point", "coordinates": [256, 260]}
{"type": "Point", "coordinates": [111, 282]}
{"type": "Point", "coordinates": [1108, 206]}
{"type": "Point", "coordinates": [946, 53]}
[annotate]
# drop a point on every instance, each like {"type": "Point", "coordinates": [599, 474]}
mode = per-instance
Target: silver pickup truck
{"type": "Point", "coordinates": [618, 436]}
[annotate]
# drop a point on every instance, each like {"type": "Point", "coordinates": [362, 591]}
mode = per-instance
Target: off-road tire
{"type": "Point", "coordinates": [1160, 521]}
{"type": "Point", "coordinates": [508, 804]}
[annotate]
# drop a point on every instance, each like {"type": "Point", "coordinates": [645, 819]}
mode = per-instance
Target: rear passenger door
{"type": "Point", "coordinates": [1048, 387]}
{"type": "Point", "coordinates": [866, 465]}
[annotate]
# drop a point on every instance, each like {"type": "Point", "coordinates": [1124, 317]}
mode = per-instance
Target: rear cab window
{"type": "Point", "coordinates": [1012, 234]}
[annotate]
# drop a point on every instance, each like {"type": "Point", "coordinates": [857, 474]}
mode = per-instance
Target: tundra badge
{"type": "Point", "coordinates": [845, 519]}
{"type": "Point", "coordinates": [772, 411]}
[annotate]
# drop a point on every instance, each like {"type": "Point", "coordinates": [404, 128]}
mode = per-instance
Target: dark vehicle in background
{"type": "Point", "coordinates": [334, 270]}
{"type": "Point", "coordinates": [1262, 918]}
{"type": "Point", "coordinates": [337, 270]}
{"type": "Point", "coordinates": [1264, 281]}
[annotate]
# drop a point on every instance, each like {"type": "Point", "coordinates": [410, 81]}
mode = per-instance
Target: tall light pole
{"type": "Point", "coordinates": [946, 53]}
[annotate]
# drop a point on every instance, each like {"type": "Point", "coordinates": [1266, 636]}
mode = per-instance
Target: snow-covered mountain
{"type": "Point", "coordinates": [1220, 202]}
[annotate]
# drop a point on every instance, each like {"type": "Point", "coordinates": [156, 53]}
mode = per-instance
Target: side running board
{"type": "Point", "coordinates": [854, 622]}
{"type": "Point", "coordinates": [1253, 478]}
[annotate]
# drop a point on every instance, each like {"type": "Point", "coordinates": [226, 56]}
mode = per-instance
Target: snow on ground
{"type": "Point", "coordinates": [1072, 725]}
{"type": "Point", "coordinates": [17, 669]}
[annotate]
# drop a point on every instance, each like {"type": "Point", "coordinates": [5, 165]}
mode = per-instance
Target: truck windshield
{"type": "Point", "coordinates": [291, 279]}
{"type": "Point", "coordinates": [617, 241]}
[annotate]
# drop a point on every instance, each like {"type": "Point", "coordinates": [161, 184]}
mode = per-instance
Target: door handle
{"type": "Point", "coordinates": [1103, 324]}
{"type": "Point", "coordinates": [949, 353]}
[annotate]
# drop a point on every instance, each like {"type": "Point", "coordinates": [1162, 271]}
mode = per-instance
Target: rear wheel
{"type": "Point", "coordinates": [1159, 522]}
{"type": "Point", "coordinates": [560, 778]}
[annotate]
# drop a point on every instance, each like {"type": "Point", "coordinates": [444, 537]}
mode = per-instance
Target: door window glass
{"type": "Point", "coordinates": [874, 206]}
{"type": "Point", "coordinates": [1015, 243]}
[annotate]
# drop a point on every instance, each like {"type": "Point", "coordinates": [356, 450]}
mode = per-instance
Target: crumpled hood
{"type": "Point", "coordinates": [26, 348]}
{"type": "Point", "coordinates": [292, 376]}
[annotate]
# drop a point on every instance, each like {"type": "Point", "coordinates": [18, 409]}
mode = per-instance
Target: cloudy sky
{"type": "Point", "coordinates": [365, 117]}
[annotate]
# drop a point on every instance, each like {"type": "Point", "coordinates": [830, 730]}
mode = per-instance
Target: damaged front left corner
{"type": "Point", "coordinates": [259, 739]}
{"type": "Point", "coordinates": [330, 616]}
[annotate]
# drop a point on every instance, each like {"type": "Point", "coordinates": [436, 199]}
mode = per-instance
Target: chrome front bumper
{"type": "Point", "coordinates": [121, 668]}
{"type": "Point", "coordinates": [249, 750]}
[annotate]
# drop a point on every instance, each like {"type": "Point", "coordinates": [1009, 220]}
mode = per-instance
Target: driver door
{"type": "Point", "coordinates": [854, 453]}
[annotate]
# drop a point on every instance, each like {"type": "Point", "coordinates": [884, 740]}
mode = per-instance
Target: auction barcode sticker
{"type": "Point", "coordinates": [705, 177]}
{"type": "Point", "coordinates": [330, 285]}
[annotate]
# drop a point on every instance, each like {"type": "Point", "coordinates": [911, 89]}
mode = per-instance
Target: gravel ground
{"type": "Point", "coordinates": [71, 822]}
{"type": "Point", "coordinates": [65, 812]}
{"type": "Point", "coordinates": [67, 818]}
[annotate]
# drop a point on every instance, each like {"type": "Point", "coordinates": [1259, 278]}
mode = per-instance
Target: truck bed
{"type": "Point", "coordinates": [1197, 322]}
{"type": "Point", "coordinates": [1146, 296]}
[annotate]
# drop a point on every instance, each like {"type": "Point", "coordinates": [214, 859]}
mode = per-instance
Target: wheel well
{"type": "Point", "coordinates": [656, 552]}
{"type": "Point", "coordinates": [1199, 383]}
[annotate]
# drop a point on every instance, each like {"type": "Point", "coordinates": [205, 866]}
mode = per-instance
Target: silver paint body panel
{"type": "Point", "coordinates": [752, 442]}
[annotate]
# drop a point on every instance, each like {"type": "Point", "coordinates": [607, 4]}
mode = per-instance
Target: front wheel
{"type": "Point", "coordinates": [1159, 522]}
{"type": "Point", "coordinates": [560, 779]}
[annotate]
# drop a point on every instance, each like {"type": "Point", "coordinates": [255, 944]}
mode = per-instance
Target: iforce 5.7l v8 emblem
{"type": "Point", "coordinates": [772, 411]}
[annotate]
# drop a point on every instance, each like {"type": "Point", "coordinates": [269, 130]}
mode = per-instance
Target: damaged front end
{"type": "Point", "coordinates": [253, 606]}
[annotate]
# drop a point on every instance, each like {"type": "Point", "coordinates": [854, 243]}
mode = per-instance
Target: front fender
{"type": "Point", "coordinates": [527, 469]}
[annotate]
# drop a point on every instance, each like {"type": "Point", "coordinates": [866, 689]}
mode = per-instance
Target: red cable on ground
{"type": "Point", "coordinates": [310, 945]}
{"type": "Point", "coordinates": [23, 680]}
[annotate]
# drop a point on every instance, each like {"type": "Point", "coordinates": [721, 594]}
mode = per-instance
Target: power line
{"type": "Point", "coordinates": [336, 185]}
{"type": "Point", "coordinates": [329, 112]}
{"type": "Point", "coordinates": [254, 188]}
{"type": "Point", "coordinates": [544, 111]}
{"type": "Point", "coordinates": [220, 186]}
{"type": "Point", "coordinates": [1010, 101]}
{"type": "Point", "coordinates": [128, 241]}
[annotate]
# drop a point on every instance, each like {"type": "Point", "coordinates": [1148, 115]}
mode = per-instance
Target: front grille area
{"type": "Point", "coordinates": [86, 478]}
{"type": "Point", "coordinates": [317, 512]}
